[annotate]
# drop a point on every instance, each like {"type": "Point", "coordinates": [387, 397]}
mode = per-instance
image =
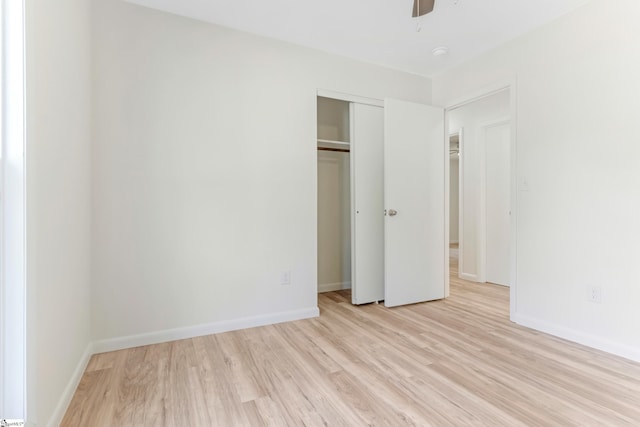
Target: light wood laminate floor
{"type": "Point", "coordinates": [454, 362]}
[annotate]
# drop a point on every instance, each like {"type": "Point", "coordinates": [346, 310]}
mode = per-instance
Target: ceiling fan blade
{"type": "Point", "coordinates": [422, 7]}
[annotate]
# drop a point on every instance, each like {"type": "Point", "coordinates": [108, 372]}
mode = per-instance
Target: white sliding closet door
{"type": "Point", "coordinates": [367, 220]}
{"type": "Point", "coordinates": [414, 187]}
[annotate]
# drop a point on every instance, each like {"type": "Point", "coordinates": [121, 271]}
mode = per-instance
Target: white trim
{"type": "Point", "coordinates": [513, 244]}
{"type": "Point", "coordinates": [447, 203]}
{"type": "Point", "coordinates": [70, 389]}
{"type": "Point", "coordinates": [461, 178]}
{"type": "Point", "coordinates": [593, 341]}
{"type": "Point", "coordinates": [350, 98]}
{"type": "Point", "coordinates": [12, 213]}
{"type": "Point", "coordinates": [167, 335]}
{"type": "Point", "coordinates": [352, 202]}
{"type": "Point", "coordinates": [485, 92]}
{"type": "Point", "coordinates": [467, 276]}
{"type": "Point", "coordinates": [330, 287]}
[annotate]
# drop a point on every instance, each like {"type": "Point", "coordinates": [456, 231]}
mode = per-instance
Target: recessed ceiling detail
{"type": "Point", "coordinates": [380, 31]}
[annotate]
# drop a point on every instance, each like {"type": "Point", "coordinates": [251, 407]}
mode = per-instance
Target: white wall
{"type": "Point", "coordinates": [577, 106]}
{"type": "Point", "coordinates": [205, 169]}
{"type": "Point", "coordinates": [472, 118]}
{"type": "Point", "coordinates": [58, 201]}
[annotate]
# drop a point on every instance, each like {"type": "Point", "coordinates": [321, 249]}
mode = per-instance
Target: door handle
{"type": "Point", "coordinates": [393, 212]}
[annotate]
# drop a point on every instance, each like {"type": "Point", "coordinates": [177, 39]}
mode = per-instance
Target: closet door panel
{"type": "Point", "coordinates": [367, 220]}
{"type": "Point", "coordinates": [414, 189]}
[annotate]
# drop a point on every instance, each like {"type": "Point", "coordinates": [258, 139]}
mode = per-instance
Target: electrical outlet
{"type": "Point", "coordinates": [594, 294]}
{"type": "Point", "coordinates": [285, 278]}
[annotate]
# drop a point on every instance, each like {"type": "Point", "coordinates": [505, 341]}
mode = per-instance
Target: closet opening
{"type": "Point", "coordinates": [334, 195]}
{"type": "Point", "coordinates": [381, 176]}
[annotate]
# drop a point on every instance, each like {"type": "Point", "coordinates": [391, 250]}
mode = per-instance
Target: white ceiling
{"type": "Point", "coordinates": [380, 31]}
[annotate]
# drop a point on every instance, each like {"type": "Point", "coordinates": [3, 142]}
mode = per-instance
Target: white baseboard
{"type": "Point", "coordinates": [164, 336]}
{"type": "Point", "coordinates": [70, 389]}
{"type": "Point", "coordinates": [593, 341]}
{"type": "Point", "coordinates": [469, 277]}
{"type": "Point", "coordinates": [329, 287]}
{"type": "Point", "coordinates": [130, 341]}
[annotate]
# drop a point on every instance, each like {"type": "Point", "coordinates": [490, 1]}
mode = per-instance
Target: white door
{"type": "Point", "coordinates": [414, 197]}
{"type": "Point", "coordinates": [12, 214]}
{"type": "Point", "coordinates": [367, 206]}
{"type": "Point", "coordinates": [498, 201]}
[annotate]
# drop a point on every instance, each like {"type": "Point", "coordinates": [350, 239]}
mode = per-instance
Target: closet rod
{"type": "Point", "coordinates": [340, 150]}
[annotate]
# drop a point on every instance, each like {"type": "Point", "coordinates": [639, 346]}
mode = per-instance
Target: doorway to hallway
{"type": "Point", "coordinates": [480, 188]}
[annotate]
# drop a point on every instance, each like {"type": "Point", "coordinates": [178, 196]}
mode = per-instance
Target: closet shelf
{"type": "Point", "coordinates": [328, 141]}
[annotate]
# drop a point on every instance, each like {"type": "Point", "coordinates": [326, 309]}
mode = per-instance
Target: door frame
{"type": "Point", "coordinates": [482, 214]}
{"type": "Point", "coordinates": [324, 93]}
{"type": "Point", "coordinates": [460, 134]}
{"type": "Point", "coordinates": [13, 297]}
{"type": "Point", "coordinates": [511, 86]}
